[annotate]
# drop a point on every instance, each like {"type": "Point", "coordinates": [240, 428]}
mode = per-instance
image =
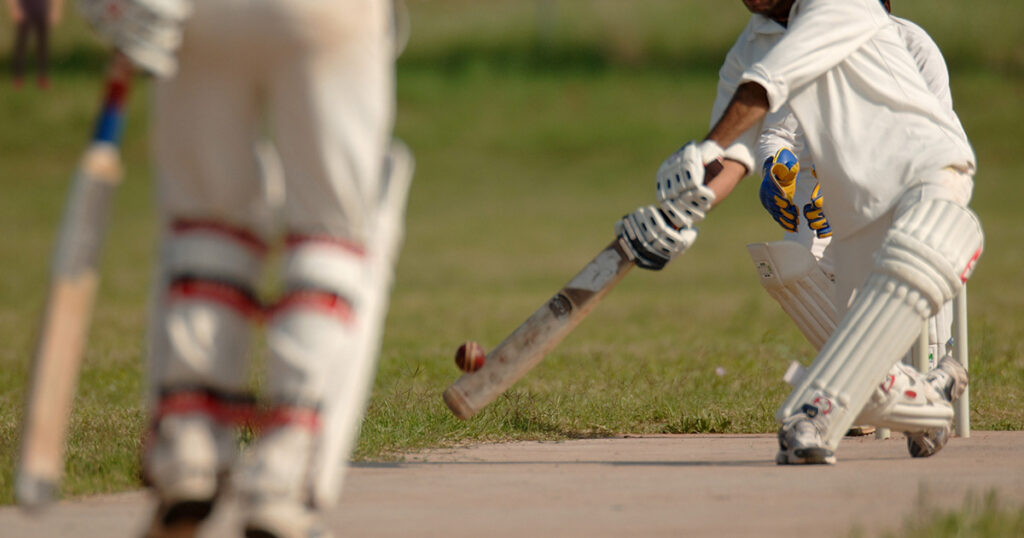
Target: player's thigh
{"type": "Point", "coordinates": [206, 122]}
{"type": "Point", "coordinates": [853, 257]}
{"type": "Point", "coordinates": [332, 109]}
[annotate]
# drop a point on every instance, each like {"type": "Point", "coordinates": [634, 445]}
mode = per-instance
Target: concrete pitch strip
{"type": "Point", "coordinates": [665, 485]}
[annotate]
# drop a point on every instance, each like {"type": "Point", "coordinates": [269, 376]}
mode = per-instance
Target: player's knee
{"type": "Point", "coordinates": [314, 323]}
{"type": "Point", "coordinates": [209, 301]}
{"type": "Point", "coordinates": [933, 246]}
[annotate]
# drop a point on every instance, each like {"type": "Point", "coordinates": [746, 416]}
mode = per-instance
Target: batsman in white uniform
{"type": "Point", "coordinates": [789, 184]}
{"type": "Point", "coordinates": [317, 79]}
{"type": "Point", "coordinates": [897, 171]}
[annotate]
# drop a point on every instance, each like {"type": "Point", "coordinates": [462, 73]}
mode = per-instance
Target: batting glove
{"type": "Point", "coordinates": [816, 215]}
{"type": "Point", "coordinates": [651, 239]}
{"type": "Point", "coordinates": [146, 31]}
{"type": "Point", "coordinates": [778, 184]}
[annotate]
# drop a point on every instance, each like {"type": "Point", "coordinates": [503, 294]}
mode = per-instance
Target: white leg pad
{"type": "Point", "coordinates": [922, 263]}
{"type": "Point", "coordinates": [906, 402]}
{"type": "Point", "coordinates": [202, 316]}
{"type": "Point", "coordinates": [791, 275]}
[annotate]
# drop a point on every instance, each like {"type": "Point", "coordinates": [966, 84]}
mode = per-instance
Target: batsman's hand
{"type": "Point", "coordinates": [146, 31]}
{"type": "Point", "coordinates": [816, 218]}
{"type": "Point", "coordinates": [652, 240]}
{"type": "Point", "coordinates": [778, 185]}
{"type": "Point", "coordinates": [680, 183]}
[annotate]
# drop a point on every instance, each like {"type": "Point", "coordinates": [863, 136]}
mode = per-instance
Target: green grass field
{"type": "Point", "coordinates": [535, 125]}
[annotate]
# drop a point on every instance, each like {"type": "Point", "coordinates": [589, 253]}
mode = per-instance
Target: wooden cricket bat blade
{"type": "Point", "coordinates": [540, 333]}
{"type": "Point", "coordinates": [74, 280]}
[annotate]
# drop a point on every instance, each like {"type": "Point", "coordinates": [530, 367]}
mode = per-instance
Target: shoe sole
{"type": "Point", "coordinates": [806, 456]}
{"type": "Point", "coordinates": [180, 520]}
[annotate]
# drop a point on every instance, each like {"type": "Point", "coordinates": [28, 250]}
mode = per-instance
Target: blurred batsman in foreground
{"type": "Point", "coordinates": [896, 174]}
{"type": "Point", "coordinates": [804, 285]}
{"type": "Point", "coordinates": [317, 80]}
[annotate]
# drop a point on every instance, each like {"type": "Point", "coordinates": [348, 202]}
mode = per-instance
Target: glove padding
{"type": "Point", "coordinates": [147, 31]}
{"type": "Point", "coordinates": [680, 187]}
{"type": "Point", "coordinates": [816, 219]}
{"type": "Point", "coordinates": [778, 185]}
{"type": "Point", "coordinates": [651, 239]}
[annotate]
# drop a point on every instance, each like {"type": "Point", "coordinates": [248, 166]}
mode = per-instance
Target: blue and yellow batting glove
{"type": "Point", "coordinates": [777, 187]}
{"type": "Point", "coordinates": [816, 215]}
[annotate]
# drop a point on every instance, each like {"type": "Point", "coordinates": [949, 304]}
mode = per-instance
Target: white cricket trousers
{"type": "Point", "coordinates": [316, 78]}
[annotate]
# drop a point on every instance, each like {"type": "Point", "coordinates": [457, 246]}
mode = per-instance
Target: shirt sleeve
{"type": "Point", "coordinates": [728, 81]}
{"type": "Point", "coordinates": [781, 129]}
{"type": "Point", "coordinates": [929, 60]}
{"type": "Point", "coordinates": [821, 34]}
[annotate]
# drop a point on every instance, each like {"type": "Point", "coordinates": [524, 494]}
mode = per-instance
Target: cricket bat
{"type": "Point", "coordinates": [540, 333]}
{"type": "Point", "coordinates": [520, 351]}
{"type": "Point", "coordinates": [74, 279]}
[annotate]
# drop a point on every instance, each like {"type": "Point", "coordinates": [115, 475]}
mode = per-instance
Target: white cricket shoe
{"type": "Point", "coordinates": [184, 464]}
{"type": "Point", "coordinates": [949, 378]}
{"type": "Point", "coordinates": [801, 439]}
{"type": "Point", "coordinates": [273, 481]}
{"type": "Point", "coordinates": [283, 518]}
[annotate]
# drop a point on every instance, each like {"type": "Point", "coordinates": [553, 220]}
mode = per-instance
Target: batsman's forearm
{"type": "Point", "coordinates": [723, 184]}
{"type": "Point", "coordinates": [749, 106]}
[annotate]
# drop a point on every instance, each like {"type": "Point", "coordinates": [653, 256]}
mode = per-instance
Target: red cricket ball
{"type": "Point", "coordinates": [470, 356]}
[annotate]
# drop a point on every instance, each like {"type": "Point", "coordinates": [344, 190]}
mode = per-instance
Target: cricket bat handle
{"type": "Point", "coordinates": [540, 333]}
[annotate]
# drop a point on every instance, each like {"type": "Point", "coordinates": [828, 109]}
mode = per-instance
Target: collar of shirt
{"type": "Point", "coordinates": [762, 25]}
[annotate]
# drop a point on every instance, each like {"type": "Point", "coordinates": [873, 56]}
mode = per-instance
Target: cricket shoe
{"type": "Point", "coordinates": [178, 519]}
{"type": "Point", "coordinates": [801, 439]}
{"type": "Point", "coordinates": [950, 380]}
{"type": "Point", "coordinates": [283, 518]}
{"type": "Point", "coordinates": [184, 463]}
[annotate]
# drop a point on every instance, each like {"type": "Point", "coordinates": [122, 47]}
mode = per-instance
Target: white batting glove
{"type": "Point", "coordinates": [681, 188]}
{"type": "Point", "coordinates": [680, 183]}
{"type": "Point", "coordinates": [651, 239]}
{"type": "Point", "coordinates": [147, 31]}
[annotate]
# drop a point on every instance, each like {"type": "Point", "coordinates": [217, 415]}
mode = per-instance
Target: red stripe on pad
{"type": "Point", "coordinates": [295, 240]}
{"type": "Point", "coordinates": [224, 412]}
{"type": "Point", "coordinates": [327, 303]}
{"type": "Point", "coordinates": [217, 292]}
{"type": "Point", "coordinates": [245, 237]}
{"type": "Point", "coordinates": [303, 417]}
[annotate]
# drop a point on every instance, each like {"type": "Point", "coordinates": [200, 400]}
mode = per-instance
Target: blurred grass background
{"type": "Point", "coordinates": [535, 125]}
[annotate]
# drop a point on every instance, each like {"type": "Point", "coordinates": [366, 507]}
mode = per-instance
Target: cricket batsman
{"type": "Point", "coordinates": [896, 171]}
{"type": "Point", "coordinates": [317, 79]}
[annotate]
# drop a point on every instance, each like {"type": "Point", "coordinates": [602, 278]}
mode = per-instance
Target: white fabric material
{"type": "Point", "coordinates": [906, 402]}
{"type": "Point", "coordinates": [147, 31]}
{"type": "Point", "coordinates": [932, 245]}
{"type": "Point", "coordinates": [319, 75]}
{"type": "Point", "coordinates": [680, 188]}
{"type": "Point", "coordinates": [344, 407]}
{"type": "Point", "coordinates": [187, 455]}
{"type": "Point", "coordinates": [929, 59]}
{"type": "Point", "coordinates": [850, 81]}
{"type": "Point", "coordinates": [792, 276]}
{"type": "Point", "coordinates": [197, 341]}
{"type": "Point", "coordinates": [214, 254]}
{"type": "Point", "coordinates": [657, 236]}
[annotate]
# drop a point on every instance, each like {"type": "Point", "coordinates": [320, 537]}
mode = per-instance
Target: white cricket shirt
{"type": "Point", "coordinates": [872, 126]}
